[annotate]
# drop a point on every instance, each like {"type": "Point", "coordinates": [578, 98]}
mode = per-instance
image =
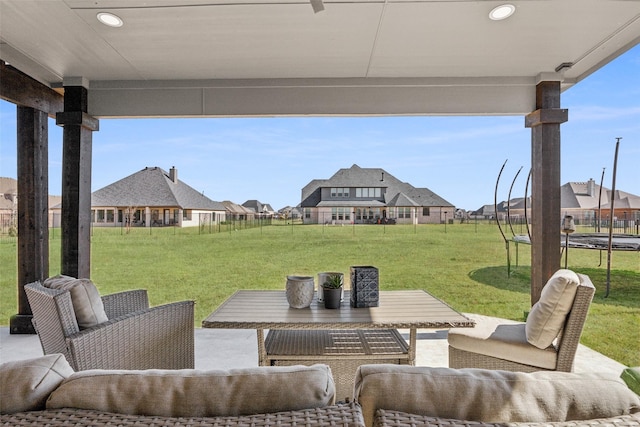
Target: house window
{"type": "Point", "coordinates": [100, 215]}
{"type": "Point", "coordinates": [404, 212]}
{"type": "Point", "coordinates": [339, 192]}
{"type": "Point", "coordinates": [425, 212]}
{"type": "Point", "coordinates": [368, 192]}
{"type": "Point", "coordinates": [367, 213]}
{"type": "Point", "coordinates": [340, 214]}
{"type": "Point", "coordinates": [307, 213]}
{"type": "Point", "coordinates": [186, 214]}
{"type": "Point", "coordinates": [110, 215]}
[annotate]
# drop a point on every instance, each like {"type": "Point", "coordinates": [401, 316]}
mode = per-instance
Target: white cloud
{"type": "Point", "coordinates": [596, 113]}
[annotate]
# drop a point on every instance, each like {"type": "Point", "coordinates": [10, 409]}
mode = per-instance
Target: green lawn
{"type": "Point", "coordinates": [463, 264]}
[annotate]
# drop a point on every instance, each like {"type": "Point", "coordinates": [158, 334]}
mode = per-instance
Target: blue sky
{"type": "Point", "coordinates": [272, 159]}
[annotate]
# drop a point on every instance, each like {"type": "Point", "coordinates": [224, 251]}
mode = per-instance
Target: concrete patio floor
{"type": "Point", "coordinates": [238, 348]}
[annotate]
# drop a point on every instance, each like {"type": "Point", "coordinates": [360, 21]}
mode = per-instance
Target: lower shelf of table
{"type": "Point", "coordinates": [342, 349]}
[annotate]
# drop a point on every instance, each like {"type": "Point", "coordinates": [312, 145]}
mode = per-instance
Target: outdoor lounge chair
{"type": "Point", "coordinates": [131, 336]}
{"type": "Point", "coordinates": [533, 346]}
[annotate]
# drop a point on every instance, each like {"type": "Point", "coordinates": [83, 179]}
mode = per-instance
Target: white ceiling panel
{"type": "Point", "coordinates": [409, 57]}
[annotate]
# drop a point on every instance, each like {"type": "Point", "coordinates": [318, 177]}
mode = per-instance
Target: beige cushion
{"type": "Point", "coordinates": [547, 316]}
{"type": "Point", "coordinates": [56, 281]}
{"type": "Point", "coordinates": [25, 385]}
{"type": "Point", "coordinates": [492, 396]}
{"type": "Point", "coordinates": [85, 299]}
{"type": "Point", "coordinates": [193, 393]}
{"type": "Point", "coordinates": [503, 339]}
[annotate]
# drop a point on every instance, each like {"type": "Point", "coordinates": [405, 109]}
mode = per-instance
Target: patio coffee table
{"type": "Point", "coordinates": [343, 338]}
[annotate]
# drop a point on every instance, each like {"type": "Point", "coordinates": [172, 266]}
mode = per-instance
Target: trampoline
{"type": "Point", "coordinates": [598, 241]}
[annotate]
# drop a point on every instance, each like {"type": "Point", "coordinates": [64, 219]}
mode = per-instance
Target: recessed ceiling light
{"type": "Point", "coordinates": [502, 12]}
{"type": "Point", "coordinates": [109, 19]}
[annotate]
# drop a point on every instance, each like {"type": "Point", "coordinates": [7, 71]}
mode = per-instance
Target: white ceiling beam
{"type": "Point", "coordinates": [300, 97]}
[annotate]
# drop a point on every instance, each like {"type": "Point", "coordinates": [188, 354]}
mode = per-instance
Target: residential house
{"type": "Point", "coordinates": [55, 207]}
{"type": "Point", "coordinates": [263, 210]}
{"type": "Point", "coordinates": [8, 195]}
{"type": "Point", "coordinates": [370, 195]}
{"type": "Point", "coordinates": [582, 200]}
{"type": "Point", "coordinates": [513, 207]}
{"type": "Point", "coordinates": [289, 212]}
{"type": "Point", "coordinates": [238, 212]}
{"type": "Point", "coordinates": [153, 197]}
{"type": "Point", "coordinates": [9, 206]}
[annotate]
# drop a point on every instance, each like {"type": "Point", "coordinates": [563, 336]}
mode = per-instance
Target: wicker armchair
{"type": "Point", "coordinates": [135, 336]}
{"type": "Point", "coordinates": [501, 346]}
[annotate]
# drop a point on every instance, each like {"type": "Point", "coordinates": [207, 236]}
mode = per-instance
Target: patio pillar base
{"type": "Point", "coordinates": [21, 324]}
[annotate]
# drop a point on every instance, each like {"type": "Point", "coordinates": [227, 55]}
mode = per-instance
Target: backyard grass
{"type": "Point", "coordinates": [463, 264]}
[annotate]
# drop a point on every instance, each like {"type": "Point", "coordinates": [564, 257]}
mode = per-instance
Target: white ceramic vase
{"type": "Point", "coordinates": [300, 290]}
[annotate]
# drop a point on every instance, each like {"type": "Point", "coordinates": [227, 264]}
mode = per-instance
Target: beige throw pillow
{"type": "Point", "coordinates": [56, 281]}
{"type": "Point", "coordinates": [25, 385]}
{"type": "Point", "coordinates": [548, 315]}
{"type": "Point", "coordinates": [85, 299]}
{"type": "Point", "coordinates": [194, 393]}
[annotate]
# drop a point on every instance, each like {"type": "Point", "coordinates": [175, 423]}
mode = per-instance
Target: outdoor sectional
{"type": "Point", "coordinates": [46, 391]}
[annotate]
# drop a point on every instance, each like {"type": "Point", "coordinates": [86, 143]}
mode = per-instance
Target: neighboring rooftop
{"type": "Point", "coordinates": [153, 186]}
{"type": "Point", "coordinates": [397, 193]}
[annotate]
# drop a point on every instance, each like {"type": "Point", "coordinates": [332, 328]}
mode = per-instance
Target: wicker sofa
{"type": "Point", "coordinates": [46, 391]}
{"type": "Point", "coordinates": [403, 396]}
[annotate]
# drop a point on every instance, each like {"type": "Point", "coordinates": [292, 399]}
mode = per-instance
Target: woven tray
{"type": "Point", "coordinates": [342, 349]}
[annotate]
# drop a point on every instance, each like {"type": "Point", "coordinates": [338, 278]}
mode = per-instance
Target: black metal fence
{"type": "Point", "coordinates": [8, 225]}
{"type": "Point", "coordinates": [207, 224]}
{"type": "Point", "coordinates": [586, 222]}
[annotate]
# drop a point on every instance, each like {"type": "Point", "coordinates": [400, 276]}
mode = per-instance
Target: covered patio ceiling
{"type": "Point", "coordinates": [227, 58]}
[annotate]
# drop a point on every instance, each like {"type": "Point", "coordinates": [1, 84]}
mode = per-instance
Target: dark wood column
{"type": "Point", "coordinates": [36, 102]}
{"type": "Point", "coordinates": [76, 182]}
{"type": "Point", "coordinates": [33, 209]}
{"type": "Point", "coordinates": [545, 184]}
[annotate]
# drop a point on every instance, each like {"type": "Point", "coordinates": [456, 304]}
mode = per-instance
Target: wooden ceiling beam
{"type": "Point", "coordinates": [20, 89]}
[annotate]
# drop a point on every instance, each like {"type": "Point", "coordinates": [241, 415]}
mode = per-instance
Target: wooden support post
{"type": "Point", "coordinates": [76, 183]}
{"type": "Point", "coordinates": [545, 190]}
{"type": "Point", "coordinates": [35, 103]}
{"type": "Point", "coordinates": [33, 209]}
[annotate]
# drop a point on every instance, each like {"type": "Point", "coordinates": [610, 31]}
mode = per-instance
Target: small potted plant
{"type": "Point", "coordinates": [332, 288]}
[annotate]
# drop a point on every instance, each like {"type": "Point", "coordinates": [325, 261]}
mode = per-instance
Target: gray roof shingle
{"type": "Point", "coordinates": [152, 187]}
{"type": "Point", "coordinates": [397, 193]}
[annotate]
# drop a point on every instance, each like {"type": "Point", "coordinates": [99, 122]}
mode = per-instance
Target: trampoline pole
{"type": "Point", "coordinates": [599, 224]}
{"type": "Point", "coordinates": [613, 196]}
